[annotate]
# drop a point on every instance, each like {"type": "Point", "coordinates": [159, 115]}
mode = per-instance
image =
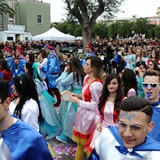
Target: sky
{"type": "Point", "coordinates": [142, 8]}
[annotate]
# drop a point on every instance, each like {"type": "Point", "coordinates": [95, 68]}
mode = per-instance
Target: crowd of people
{"type": "Point", "coordinates": [112, 107]}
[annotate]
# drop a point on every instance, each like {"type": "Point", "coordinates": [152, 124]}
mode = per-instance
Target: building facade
{"type": "Point", "coordinates": [155, 20]}
{"type": "Point", "coordinates": [34, 15]}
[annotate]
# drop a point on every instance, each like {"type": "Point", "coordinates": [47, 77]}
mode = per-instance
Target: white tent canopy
{"type": "Point", "coordinates": [55, 35]}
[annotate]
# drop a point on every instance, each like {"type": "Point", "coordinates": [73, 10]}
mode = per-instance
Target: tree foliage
{"type": "Point", "coordinates": [100, 29]}
{"type": "Point", "coordinates": [5, 8]}
{"type": "Point", "coordinates": [157, 31]}
{"type": "Point", "coordinates": [69, 28]}
{"type": "Point", "coordinates": [104, 30]}
{"type": "Point", "coordinates": [127, 28]}
{"type": "Point", "coordinates": [87, 11]}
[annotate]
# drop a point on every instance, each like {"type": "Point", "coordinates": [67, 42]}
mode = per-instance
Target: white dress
{"type": "Point", "coordinates": [30, 112]}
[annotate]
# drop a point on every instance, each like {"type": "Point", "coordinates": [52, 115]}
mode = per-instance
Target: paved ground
{"type": "Point", "coordinates": [63, 151]}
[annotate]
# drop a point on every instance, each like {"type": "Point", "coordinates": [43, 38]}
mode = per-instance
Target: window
{"type": "Point", "coordinates": [26, 38]}
{"type": "Point", "coordinates": [11, 18]}
{"type": "Point", "coordinates": [39, 19]}
{"type": "Point", "coordinates": [9, 38]}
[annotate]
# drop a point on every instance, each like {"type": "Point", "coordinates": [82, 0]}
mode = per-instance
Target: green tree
{"type": "Point", "coordinates": [68, 28]}
{"type": "Point", "coordinates": [140, 26]}
{"type": "Point", "coordinates": [87, 11]}
{"type": "Point", "coordinates": [100, 29]}
{"type": "Point", "coordinates": [113, 29]}
{"type": "Point", "coordinates": [157, 31]}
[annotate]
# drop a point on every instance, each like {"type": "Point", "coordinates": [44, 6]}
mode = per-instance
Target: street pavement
{"type": "Point", "coordinates": [63, 151]}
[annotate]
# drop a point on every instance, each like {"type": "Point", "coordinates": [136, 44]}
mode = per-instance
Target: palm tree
{"type": "Point", "coordinates": [5, 9]}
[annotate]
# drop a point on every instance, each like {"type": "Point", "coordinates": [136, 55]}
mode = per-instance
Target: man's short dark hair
{"type": "Point", "coordinates": [152, 73]}
{"type": "Point", "coordinates": [135, 103]}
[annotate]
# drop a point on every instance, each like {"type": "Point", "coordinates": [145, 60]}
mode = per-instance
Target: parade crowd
{"type": "Point", "coordinates": [108, 99]}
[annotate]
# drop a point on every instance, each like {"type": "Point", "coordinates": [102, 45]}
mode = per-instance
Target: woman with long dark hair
{"type": "Point", "coordinates": [84, 122]}
{"type": "Point", "coordinates": [26, 105]}
{"type": "Point", "coordinates": [152, 65]}
{"type": "Point", "coordinates": [5, 70]}
{"type": "Point", "coordinates": [72, 78]}
{"type": "Point", "coordinates": [108, 107]}
{"type": "Point", "coordinates": [129, 83]}
{"type": "Point", "coordinates": [139, 70]}
{"type": "Point", "coordinates": [50, 128]}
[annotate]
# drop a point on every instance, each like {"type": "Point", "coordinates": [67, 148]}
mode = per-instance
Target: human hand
{"type": "Point", "coordinates": [74, 99]}
{"type": "Point", "coordinates": [79, 96]}
{"type": "Point", "coordinates": [66, 68]}
{"type": "Point", "coordinates": [137, 68]}
{"type": "Point", "coordinates": [99, 127]}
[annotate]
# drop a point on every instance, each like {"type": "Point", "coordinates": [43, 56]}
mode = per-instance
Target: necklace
{"type": "Point", "coordinates": [5, 122]}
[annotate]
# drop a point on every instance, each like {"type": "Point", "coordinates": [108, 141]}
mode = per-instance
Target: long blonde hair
{"type": "Point", "coordinates": [141, 56]}
{"type": "Point", "coordinates": [97, 65]}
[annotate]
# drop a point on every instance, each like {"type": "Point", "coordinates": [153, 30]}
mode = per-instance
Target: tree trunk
{"type": "Point", "coordinates": [87, 36]}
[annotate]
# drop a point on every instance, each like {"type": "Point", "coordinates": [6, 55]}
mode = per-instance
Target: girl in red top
{"type": "Point", "coordinates": [5, 70]}
{"type": "Point", "coordinates": [108, 108]}
{"type": "Point", "coordinates": [87, 104]}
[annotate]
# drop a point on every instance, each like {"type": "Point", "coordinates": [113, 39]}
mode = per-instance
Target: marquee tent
{"type": "Point", "coordinates": [55, 35]}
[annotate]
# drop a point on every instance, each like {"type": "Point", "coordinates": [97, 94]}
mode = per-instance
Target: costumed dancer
{"type": "Point", "coordinates": [72, 76]}
{"type": "Point", "coordinates": [7, 51]}
{"type": "Point", "coordinates": [109, 107]}
{"type": "Point", "coordinates": [22, 61]}
{"type": "Point", "coordinates": [90, 50]}
{"type": "Point", "coordinates": [84, 122]}
{"type": "Point", "coordinates": [50, 128]}
{"type": "Point", "coordinates": [26, 105]}
{"type": "Point", "coordinates": [52, 73]}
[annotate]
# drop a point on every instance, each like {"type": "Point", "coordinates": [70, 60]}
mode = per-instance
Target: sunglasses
{"type": "Point", "coordinates": [152, 85]}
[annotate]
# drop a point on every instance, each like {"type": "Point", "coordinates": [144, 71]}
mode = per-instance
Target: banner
{"type": "Point", "coordinates": [16, 28]}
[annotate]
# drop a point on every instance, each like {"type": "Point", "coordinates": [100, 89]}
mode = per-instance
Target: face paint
{"type": "Point", "coordinates": [125, 115]}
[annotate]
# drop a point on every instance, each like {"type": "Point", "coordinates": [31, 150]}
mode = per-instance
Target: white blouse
{"type": "Point", "coordinates": [30, 112]}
